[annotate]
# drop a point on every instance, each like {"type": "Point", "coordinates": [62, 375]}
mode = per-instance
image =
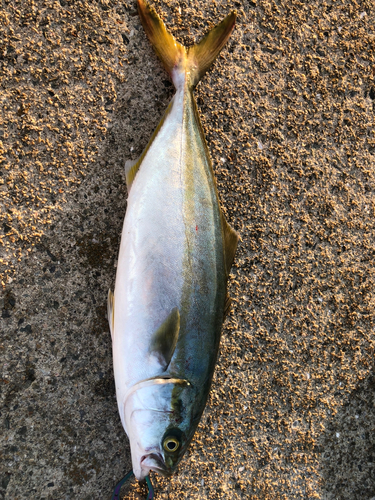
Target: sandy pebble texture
{"type": "Point", "coordinates": [288, 110]}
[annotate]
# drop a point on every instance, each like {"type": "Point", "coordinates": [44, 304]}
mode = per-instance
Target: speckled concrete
{"type": "Point", "coordinates": [288, 110]}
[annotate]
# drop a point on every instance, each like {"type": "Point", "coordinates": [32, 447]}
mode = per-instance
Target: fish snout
{"type": "Point", "coordinates": [155, 462]}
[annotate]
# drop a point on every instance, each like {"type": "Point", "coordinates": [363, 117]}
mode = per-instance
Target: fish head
{"type": "Point", "coordinates": [160, 424]}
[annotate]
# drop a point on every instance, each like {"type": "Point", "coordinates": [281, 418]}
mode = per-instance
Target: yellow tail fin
{"type": "Point", "coordinates": [179, 61]}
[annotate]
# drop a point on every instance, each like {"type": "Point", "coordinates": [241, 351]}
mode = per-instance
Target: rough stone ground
{"type": "Point", "coordinates": [288, 110]}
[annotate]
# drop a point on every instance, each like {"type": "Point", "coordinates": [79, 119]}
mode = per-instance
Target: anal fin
{"type": "Point", "coordinates": [111, 312]}
{"type": "Point", "coordinates": [132, 166]}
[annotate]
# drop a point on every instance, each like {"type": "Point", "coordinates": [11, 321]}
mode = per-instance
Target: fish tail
{"type": "Point", "coordinates": [182, 63]}
{"type": "Point", "coordinates": [203, 54]}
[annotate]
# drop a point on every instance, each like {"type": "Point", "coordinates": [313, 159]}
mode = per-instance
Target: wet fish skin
{"type": "Point", "coordinates": [175, 255]}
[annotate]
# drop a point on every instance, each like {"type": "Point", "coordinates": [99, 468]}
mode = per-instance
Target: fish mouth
{"type": "Point", "coordinates": [155, 462]}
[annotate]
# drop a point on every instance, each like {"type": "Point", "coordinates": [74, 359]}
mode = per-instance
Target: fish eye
{"type": "Point", "coordinates": [171, 444]}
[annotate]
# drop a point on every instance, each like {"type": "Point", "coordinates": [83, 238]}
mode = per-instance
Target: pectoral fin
{"type": "Point", "coordinates": [164, 340]}
{"type": "Point", "coordinates": [111, 312]}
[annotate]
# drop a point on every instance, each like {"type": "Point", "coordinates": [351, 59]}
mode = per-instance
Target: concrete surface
{"type": "Point", "coordinates": [288, 110]}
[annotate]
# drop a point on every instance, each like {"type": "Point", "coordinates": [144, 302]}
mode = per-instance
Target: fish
{"type": "Point", "coordinates": [176, 251]}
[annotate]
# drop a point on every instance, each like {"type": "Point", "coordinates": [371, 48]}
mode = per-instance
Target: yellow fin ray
{"type": "Point", "coordinates": [177, 60]}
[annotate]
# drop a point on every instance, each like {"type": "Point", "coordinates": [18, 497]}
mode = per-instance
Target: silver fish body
{"type": "Point", "coordinates": [170, 293]}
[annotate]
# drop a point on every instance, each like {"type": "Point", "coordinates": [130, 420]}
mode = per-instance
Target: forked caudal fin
{"type": "Point", "coordinates": [178, 60]}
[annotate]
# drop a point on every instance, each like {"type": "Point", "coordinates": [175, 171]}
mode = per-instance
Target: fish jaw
{"type": "Point", "coordinates": [145, 428]}
{"type": "Point", "coordinates": [154, 461]}
{"type": "Point", "coordinates": [151, 462]}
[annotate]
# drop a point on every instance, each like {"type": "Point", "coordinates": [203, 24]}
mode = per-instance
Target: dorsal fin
{"type": "Point", "coordinates": [228, 302]}
{"type": "Point", "coordinates": [230, 244]}
{"type": "Point", "coordinates": [164, 340]}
